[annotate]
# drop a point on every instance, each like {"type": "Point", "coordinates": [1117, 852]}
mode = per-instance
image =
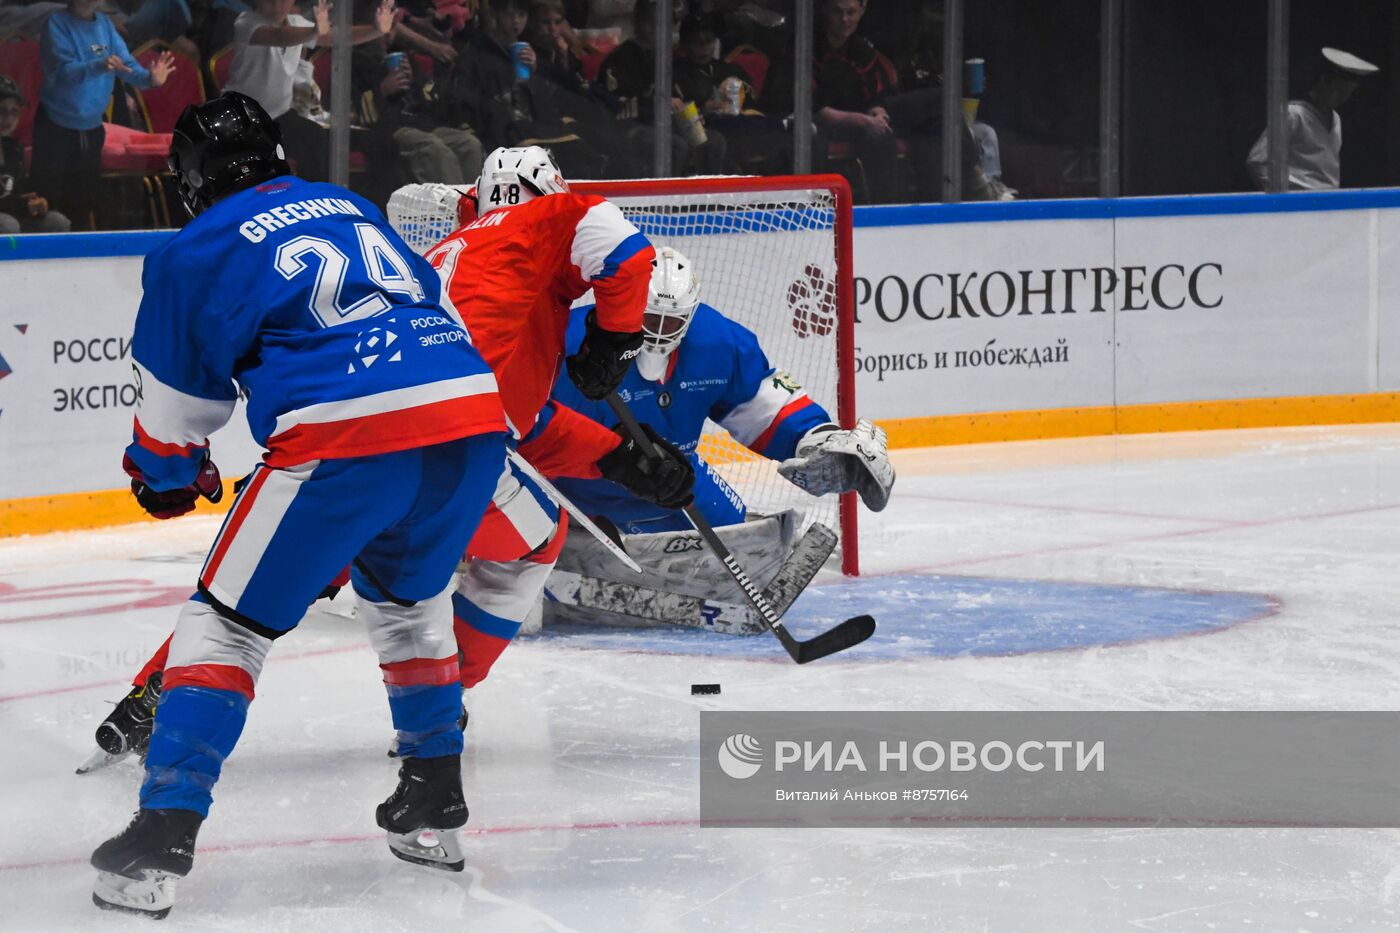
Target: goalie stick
{"type": "Point", "coordinates": [851, 632]}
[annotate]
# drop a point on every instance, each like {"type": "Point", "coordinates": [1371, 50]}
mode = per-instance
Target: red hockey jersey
{"type": "Point", "coordinates": [512, 276]}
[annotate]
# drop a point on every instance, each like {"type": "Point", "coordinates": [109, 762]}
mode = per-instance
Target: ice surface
{"type": "Point", "coordinates": [998, 574]}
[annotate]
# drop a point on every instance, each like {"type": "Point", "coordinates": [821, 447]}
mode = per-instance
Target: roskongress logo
{"type": "Point", "coordinates": [740, 756]}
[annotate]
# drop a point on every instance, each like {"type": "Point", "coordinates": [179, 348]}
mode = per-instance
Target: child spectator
{"type": "Point", "coordinates": [756, 143]}
{"type": "Point", "coordinates": [267, 46]}
{"type": "Point", "coordinates": [22, 210]}
{"type": "Point", "coordinates": [629, 74]}
{"type": "Point", "coordinates": [81, 55]}
{"type": "Point", "coordinates": [556, 46]}
{"type": "Point", "coordinates": [593, 110]}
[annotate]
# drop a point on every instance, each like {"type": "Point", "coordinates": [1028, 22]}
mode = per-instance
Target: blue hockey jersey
{"type": "Point", "coordinates": [300, 296]}
{"type": "Point", "coordinates": [719, 372]}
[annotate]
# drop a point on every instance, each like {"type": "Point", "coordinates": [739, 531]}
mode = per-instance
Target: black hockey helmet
{"type": "Point", "coordinates": [224, 145]}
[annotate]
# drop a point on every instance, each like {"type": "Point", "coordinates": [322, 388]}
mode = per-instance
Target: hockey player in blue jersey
{"type": "Point", "coordinates": [695, 364]}
{"type": "Point", "coordinates": [385, 441]}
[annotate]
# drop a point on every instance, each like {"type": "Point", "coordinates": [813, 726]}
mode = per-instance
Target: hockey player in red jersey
{"type": "Point", "coordinates": [527, 249]}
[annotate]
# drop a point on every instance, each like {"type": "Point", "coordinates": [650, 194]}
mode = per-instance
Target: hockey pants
{"type": "Point", "coordinates": [404, 519]}
{"type": "Point", "coordinates": [503, 578]}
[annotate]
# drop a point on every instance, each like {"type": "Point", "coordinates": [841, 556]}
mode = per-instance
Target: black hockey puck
{"type": "Point", "coordinates": [697, 690]}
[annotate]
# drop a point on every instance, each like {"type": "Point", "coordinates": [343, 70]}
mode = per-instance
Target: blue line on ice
{"type": "Point", "coordinates": [957, 616]}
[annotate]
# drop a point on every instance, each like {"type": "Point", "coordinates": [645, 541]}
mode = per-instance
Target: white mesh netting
{"type": "Point", "coordinates": [766, 259]}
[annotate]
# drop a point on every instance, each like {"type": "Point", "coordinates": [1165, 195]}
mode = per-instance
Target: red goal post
{"type": "Point", "coordinates": [773, 253]}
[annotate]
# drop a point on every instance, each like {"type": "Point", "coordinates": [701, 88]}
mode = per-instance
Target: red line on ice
{"type": "Point", "coordinates": [126, 680]}
{"type": "Point", "coordinates": [355, 840]}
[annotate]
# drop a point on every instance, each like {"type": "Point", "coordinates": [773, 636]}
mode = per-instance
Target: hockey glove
{"type": "Point", "coordinates": [602, 359]}
{"type": "Point", "coordinates": [665, 479]}
{"type": "Point", "coordinates": [829, 459]}
{"type": "Point", "coordinates": [172, 502]}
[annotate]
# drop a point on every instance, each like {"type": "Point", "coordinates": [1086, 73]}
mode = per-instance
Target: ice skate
{"type": "Point", "coordinates": [127, 728]}
{"type": "Point", "coordinates": [137, 869]}
{"type": "Point", "coordinates": [425, 811]}
{"type": "Point", "coordinates": [461, 723]}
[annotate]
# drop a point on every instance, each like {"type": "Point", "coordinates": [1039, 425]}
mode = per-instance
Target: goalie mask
{"type": "Point", "coordinates": [672, 297]}
{"type": "Point", "coordinates": [514, 176]}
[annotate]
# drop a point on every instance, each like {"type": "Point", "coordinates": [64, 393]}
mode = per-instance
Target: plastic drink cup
{"type": "Point", "coordinates": [733, 89]}
{"type": "Point", "coordinates": [394, 61]}
{"type": "Point", "coordinates": [688, 122]}
{"type": "Point", "coordinates": [969, 108]}
{"type": "Point", "coordinates": [522, 69]}
{"type": "Point", "coordinates": [974, 76]}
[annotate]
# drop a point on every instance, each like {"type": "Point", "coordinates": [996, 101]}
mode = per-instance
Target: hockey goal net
{"type": "Point", "coordinates": [773, 254]}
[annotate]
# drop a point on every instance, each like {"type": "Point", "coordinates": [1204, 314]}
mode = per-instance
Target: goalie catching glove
{"type": "Point", "coordinates": [665, 479]}
{"type": "Point", "coordinates": [169, 503]}
{"type": "Point", "coordinates": [602, 359]}
{"type": "Point", "coordinates": [829, 459]}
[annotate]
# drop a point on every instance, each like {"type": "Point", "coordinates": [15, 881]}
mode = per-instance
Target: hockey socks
{"type": "Point", "coordinates": [196, 729]}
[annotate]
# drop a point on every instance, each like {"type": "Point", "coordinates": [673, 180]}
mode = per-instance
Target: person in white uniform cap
{"type": "Point", "coordinates": [1315, 127]}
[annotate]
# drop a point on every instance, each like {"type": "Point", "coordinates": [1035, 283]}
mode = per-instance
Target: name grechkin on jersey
{"type": "Point", "coordinates": [285, 215]}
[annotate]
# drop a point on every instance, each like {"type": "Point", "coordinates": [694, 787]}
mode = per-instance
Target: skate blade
{"type": "Point", "coordinates": [435, 848]}
{"type": "Point", "coordinates": [98, 760]}
{"type": "Point", "coordinates": [151, 895]}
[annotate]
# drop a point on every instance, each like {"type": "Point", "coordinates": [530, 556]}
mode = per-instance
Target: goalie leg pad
{"type": "Point", "coordinates": [576, 598]}
{"type": "Point", "coordinates": [679, 562]}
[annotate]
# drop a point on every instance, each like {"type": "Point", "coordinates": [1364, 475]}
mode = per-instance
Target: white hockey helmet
{"type": "Point", "coordinates": [672, 296]}
{"type": "Point", "coordinates": [514, 176]}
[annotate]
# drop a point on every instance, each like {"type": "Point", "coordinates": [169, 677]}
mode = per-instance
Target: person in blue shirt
{"type": "Point", "coordinates": [81, 55]}
{"type": "Point", "coordinates": [385, 439]}
{"type": "Point", "coordinates": [696, 364]}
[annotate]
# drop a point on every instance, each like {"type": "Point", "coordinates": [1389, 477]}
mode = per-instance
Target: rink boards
{"type": "Point", "coordinates": [975, 322]}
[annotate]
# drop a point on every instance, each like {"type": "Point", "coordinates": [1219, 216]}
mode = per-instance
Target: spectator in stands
{"type": "Point", "coordinates": [267, 46]}
{"type": "Point", "coordinates": [557, 49]}
{"type": "Point", "coordinates": [510, 109]}
{"type": "Point", "coordinates": [22, 209]}
{"type": "Point", "coordinates": [556, 46]}
{"type": "Point", "coordinates": [628, 73]}
{"type": "Point", "coordinates": [756, 144]}
{"type": "Point", "coordinates": [594, 110]}
{"type": "Point", "coordinates": [81, 55]}
{"type": "Point", "coordinates": [856, 100]}
{"type": "Point", "coordinates": [1315, 127]}
{"type": "Point", "coordinates": [409, 124]}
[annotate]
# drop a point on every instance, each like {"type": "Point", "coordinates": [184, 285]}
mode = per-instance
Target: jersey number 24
{"type": "Point", "coordinates": [382, 264]}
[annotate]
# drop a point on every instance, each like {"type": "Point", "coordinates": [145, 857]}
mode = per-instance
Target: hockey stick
{"type": "Point", "coordinates": [851, 632]}
{"type": "Point", "coordinates": [612, 546]}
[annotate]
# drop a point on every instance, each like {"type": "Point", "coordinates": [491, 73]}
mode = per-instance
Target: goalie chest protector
{"type": "Point", "coordinates": [720, 372]}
